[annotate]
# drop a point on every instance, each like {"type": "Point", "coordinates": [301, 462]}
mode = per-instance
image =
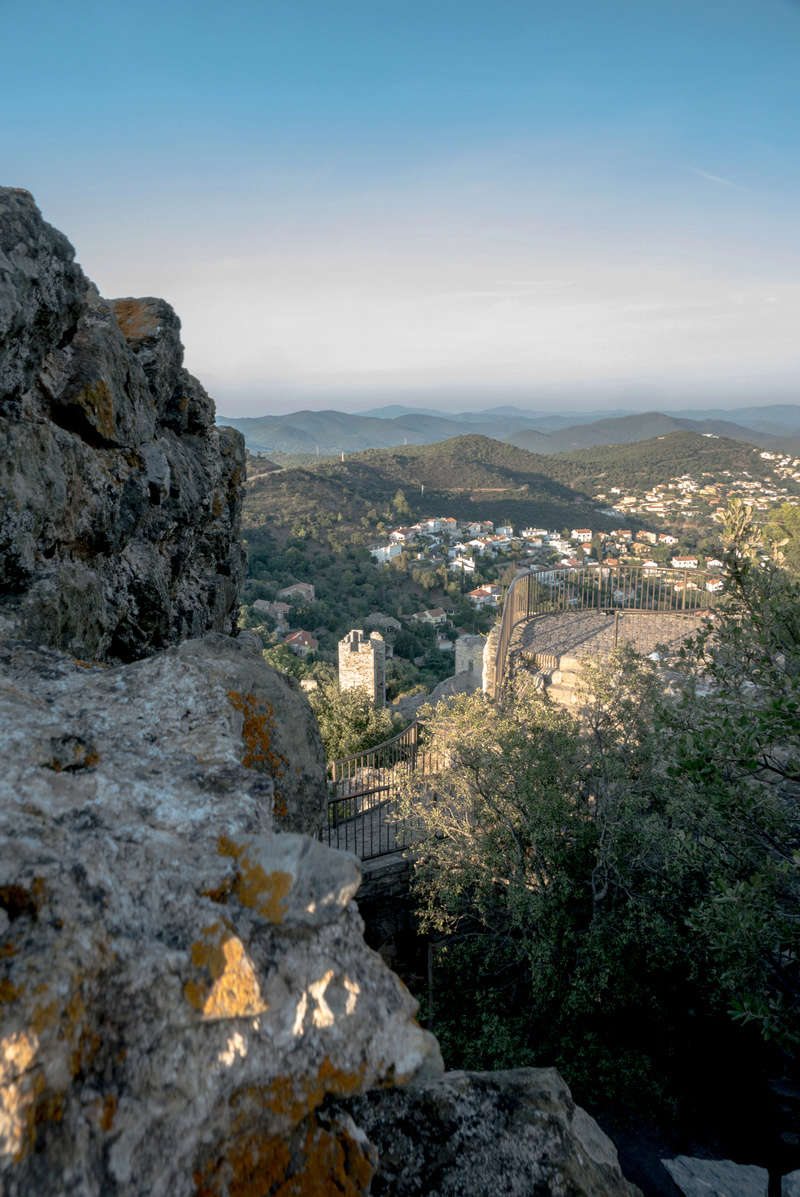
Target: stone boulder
{"type": "Point", "coordinates": [697, 1177]}
{"type": "Point", "coordinates": [180, 986]}
{"type": "Point", "coordinates": [120, 501]}
{"type": "Point", "coordinates": [482, 1133]}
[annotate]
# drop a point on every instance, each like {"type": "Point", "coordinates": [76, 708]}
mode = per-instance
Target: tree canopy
{"type": "Point", "coordinates": [618, 891]}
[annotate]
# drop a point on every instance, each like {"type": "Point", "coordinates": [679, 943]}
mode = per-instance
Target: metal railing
{"type": "Point", "coordinates": [602, 588]}
{"type": "Point", "coordinates": [363, 790]}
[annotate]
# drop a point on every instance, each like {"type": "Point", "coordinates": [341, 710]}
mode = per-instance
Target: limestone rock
{"type": "Point", "coordinates": [717, 1178]}
{"type": "Point", "coordinates": [120, 499]}
{"type": "Point", "coordinates": [481, 1133]}
{"type": "Point", "coordinates": [181, 987]}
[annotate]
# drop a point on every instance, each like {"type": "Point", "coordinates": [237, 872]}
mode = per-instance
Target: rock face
{"type": "Point", "coordinates": [180, 987]}
{"type": "Point", "coordinates": [481, 1133]}
{"type": "Point", "coordinates": [120, 499]}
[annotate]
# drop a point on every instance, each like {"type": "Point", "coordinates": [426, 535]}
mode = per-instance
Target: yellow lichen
{"type": "Point", "coordinates": [265, 892]}
{"type": "Point", "coordinates": [229, 987]}
{"type": "Point", "coordinates": [258, 725]}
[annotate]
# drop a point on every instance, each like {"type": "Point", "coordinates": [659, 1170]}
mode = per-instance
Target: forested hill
{"type": "Point", "coordinates": [654, 461]}
{"type": "Point", "coordinates": [466, 477]}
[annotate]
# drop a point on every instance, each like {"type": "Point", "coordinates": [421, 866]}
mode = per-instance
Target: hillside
{"type": "Point", "coordinates": [314, 434]}
{"type": "Point", "coordinates": [640, 427]}
{"type": "Point", "coordinates": [656, 460]}
{"type": "Point", "coordinates": [467, 477]}
{"type": "Point", "coordinates": [333, 432]}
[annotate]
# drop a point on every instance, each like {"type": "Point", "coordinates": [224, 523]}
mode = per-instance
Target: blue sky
{"type": "Point", "coordinates": [592, 203]}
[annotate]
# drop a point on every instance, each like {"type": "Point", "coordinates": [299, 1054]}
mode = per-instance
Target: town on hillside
{"type": "Point", "coordinates": [464, 566]}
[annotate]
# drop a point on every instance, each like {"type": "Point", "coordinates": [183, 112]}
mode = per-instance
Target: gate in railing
{"type": "Point", "coordinates": [602, 588]}
{"type": "Point", "coordinates": [363, 790]}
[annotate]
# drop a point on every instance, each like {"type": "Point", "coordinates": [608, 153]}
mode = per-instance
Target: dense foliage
{"type": "Point", "coordinates": [656, 461]}
{"type": "Point", "coordinates": [348, 722]}
{"type": "Point", "coordinates": [619, 892]}
{"type": "Point", "coordinates": [468, 477]}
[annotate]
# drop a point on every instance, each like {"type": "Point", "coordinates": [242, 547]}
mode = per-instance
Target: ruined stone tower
{"type": "Point", "coordinates": [362, 663]}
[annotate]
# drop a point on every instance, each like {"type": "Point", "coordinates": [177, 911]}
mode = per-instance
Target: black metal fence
{"type": "Point", "coordinates": [363, 790]}
{"type": "Point", "coordinates": [610, 589]}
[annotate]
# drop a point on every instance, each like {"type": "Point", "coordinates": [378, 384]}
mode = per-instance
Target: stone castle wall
{"type": "Point", "coordinates": [469, 654]}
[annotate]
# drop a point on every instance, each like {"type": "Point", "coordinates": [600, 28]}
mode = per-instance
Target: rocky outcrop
{"type": "Point", "coordinates": [187, 1004]}
{"type": "Point", "coordinates": [481, 1133]}
{"type": "Point", "coordinates": [180, 987]}
{"type": "Point", "coordinates": [120, 499]}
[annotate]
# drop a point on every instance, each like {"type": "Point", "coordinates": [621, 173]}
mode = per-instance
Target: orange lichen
{"type": "Point", "coordinates": [8, 992]}
{"type": "Point", "coordinates": [258, 725]}
{"type": "Point", "coordinates": [265, 892]}
{"type": "Point", "coordinates": [109, 1110]}
{"type": "Point", "coordinates": [135, 320]}
{"type": "Point", "coordinates": [229, 988]}
{"type": "Point", "coordinates": [320, 1162]}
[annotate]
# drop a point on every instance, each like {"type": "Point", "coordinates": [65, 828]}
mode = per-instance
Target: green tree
{"type": "Point", "coordinates": [400, 503]}
{"type": "Point", "coordinates": [348, 721]}
{"type": "Point", "coordinates": [619, 890]}
{"type": "Point", "coordinates": [782, 535]}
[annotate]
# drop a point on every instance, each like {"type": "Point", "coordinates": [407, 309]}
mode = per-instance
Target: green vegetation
{"type": "Point", "coordinates": [468, 477]}
{"type": "Point", "coordinates": [782, 536]}
{"type": "Point", "coordinates": [619, 894]}
{"type": "Point", "coordinates": [348, 722]}
{"type": "Point", "coordinates": [656, 461]}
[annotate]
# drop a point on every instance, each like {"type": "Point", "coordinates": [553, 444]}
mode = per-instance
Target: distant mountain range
{"type": "Point", "coordinates": [326, 433]}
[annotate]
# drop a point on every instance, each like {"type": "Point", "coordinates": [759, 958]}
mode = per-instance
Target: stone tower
{"type": "Point", "coordinates": [362, 663]}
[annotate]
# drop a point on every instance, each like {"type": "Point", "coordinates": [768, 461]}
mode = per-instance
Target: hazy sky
{"type": "Point", "coordinates": [356, 201]}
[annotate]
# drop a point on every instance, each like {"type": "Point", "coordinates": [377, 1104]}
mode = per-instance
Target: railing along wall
{"type": "Point", "coordinates": [602, 588]}
{"type": "Point", "coordinates": [363, 787]}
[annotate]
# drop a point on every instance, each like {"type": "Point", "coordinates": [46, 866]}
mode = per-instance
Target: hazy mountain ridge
{"type": "Point", "coordinates": [629, 429]}
{"type": "Point", "coordinates": [326, 433]}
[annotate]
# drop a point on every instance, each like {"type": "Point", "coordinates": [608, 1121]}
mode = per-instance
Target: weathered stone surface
{"type": "Point", "coordinates": [120, 499]}
{"type": "Point", "coordinates": [180, 986]}
{"type": "Point", "coordinates": [483, 1133]}
{"type": "Point", "coordinates": [790, 1184]}
{"type": "Point", "coordinates": [717, 1178]}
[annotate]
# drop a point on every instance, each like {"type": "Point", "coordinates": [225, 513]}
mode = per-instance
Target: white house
{"type": "Point", "coordinates": [582, 535]}
{"type": "Point", "coordinates": [385, 553]}
{"type": "Point", "coordinates": [485, 596]}
{"type": "Point", "coordinates": [684, 563]}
